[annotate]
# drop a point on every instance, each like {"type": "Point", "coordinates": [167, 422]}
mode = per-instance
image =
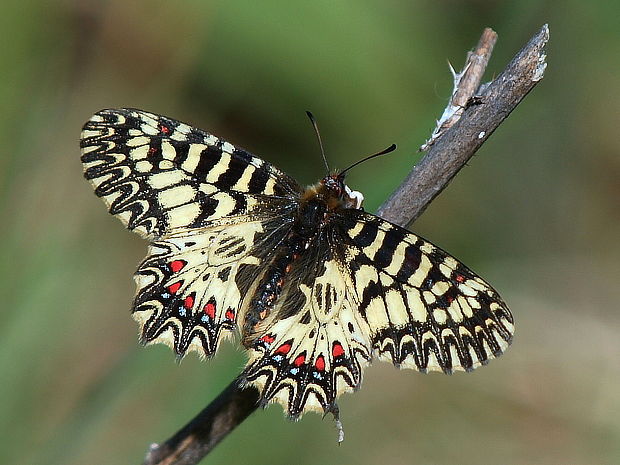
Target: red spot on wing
{"type": "Point", "coordinates": [450, 299]}
{"type": "Point", "coordinates": [230, 314]}
{"type": "Point", "coordinates": [299, 360]}
{"type": "Point", "coordinates": [459, 278]}
{"type": "Point", "coordinates": [174, 288]}
{"type": "Point", "coordinates": [164, 129]}
{"type": "Point", "coordinates": [152, 151]}
{"type": "Point", "coordinates": [337, 349]}
{"type": "Point", "coordinates": [189, 302]}
{"type": "Point", "coordinates": [284, 348]}
{"type": "Point", "coordinates": [320, 363]}
{"type": "Point", "coordinates": [177, 265]}
{"type": "Point", "coordinates": [210, 310]}
{"type": "Point", "coordinates": [268, 338]}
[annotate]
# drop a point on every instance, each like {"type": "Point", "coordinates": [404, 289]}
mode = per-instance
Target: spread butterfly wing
{"type": "Point", "coordinates": [158, 175]}
{"type": "Point", "coordinates": [314, 345]}
{"type": "Point", "coordinates": [372, 288]}
{"type": "Point", "coordinates": [191, 286]}
{"type": "Point", "coordinates": [425, 310]}
{"type": "Point", "coordinates": [204, 203]}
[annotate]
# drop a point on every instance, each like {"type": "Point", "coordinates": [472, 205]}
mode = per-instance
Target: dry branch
{"type": "Point", "coordinates": [466, 84]}
{"type": "Point", "coordinates": [196, 439]}
{"type": "Point", "coordinates": [450, 152]}
{"type": "Point", "coordinates": [447, 155]}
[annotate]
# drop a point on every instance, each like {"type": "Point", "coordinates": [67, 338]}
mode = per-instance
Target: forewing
{"type": "Point", "coordinates": [158, 175]}
{"type": "Point", "coordinates": [314, 345]}
{"type": "Point", "coordinates": [425, 309]}
{"type": "Point", "coordinates": [191, 286]}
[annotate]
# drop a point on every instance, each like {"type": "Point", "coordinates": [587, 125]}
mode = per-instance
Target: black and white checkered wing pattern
{"type": "Point", "coordinates": [425, 310]}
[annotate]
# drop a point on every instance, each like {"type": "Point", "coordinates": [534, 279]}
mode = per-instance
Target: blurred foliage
{"type": "Point", "coordinates": [536, 213]}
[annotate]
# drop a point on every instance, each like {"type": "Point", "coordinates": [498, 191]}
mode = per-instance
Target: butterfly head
{"type": "Point", "coordinates": [335, 193]}
{"type": "Point", "coordinates": [342, 196]}
{"type": "Point", "coordinates": [336, 188]}
{"type": "Point", "coordinates": [331, 189]}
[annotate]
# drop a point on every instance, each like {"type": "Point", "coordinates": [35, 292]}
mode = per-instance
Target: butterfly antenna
{"type": "Point", "coordinates": [391, 148]}
{"type": "Point", "coordinates": [318, 136]}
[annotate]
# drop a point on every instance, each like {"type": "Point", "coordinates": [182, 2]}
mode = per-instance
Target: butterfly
{"type": "Point", "coordinates": [316, 287]}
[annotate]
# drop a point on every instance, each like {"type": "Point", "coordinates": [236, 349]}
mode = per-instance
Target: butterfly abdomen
{"type": "Point", "coordinates": [309, 219]}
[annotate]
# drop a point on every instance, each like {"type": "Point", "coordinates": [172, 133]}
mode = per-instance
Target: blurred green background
{"type": "Point", "coordinates": [535, 212]}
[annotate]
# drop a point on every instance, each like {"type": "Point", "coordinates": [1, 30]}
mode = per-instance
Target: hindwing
{"type": "Point", "coordinates": [191, 286]}
{"type": "Point", "coordinates": [315, 344]}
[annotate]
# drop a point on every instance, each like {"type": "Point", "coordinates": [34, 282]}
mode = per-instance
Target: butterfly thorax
{"type": "Point", "coordinates": [318, 206]}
